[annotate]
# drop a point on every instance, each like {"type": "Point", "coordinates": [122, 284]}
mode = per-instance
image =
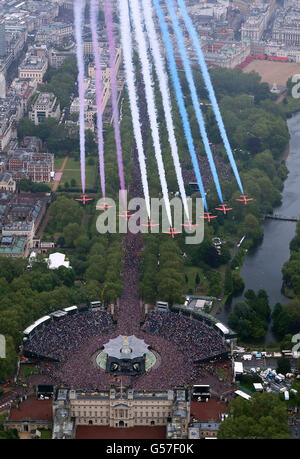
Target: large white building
{"type": "Point", "coordinates": [257, 22]}
{"type": "Point", "coordinates": [33, 68]}
{"type": "Point", "coordinates": [126, 407]}
{"type": "Point", "coordinates": [286, 28]}
{"type": "Point", "coordinates": [45, 106]}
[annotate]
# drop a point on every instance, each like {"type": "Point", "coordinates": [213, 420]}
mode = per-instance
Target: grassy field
{"type": "Point", "coordinates": [46, 434]}
{"type": "Point", "coordinates": [273, 72]}
{"type": "Point", "coordinates": [72, 171]}
{"type": "Point", "coordinates": [58, 163]}
{"type": "Point", "coordinates": [191, 272]}
{"type": "Point", "coordinates": [30, 371]}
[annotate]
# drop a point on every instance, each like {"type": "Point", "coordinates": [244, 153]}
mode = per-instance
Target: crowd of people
{"type": "Point", "coordinates": [223, 168]}
{"type": "Point", "coordinates": [61, 337]}
{"type": "Point", "coordinates": [200, 340]}
{"type": "Point", "coordinates": [74, 341]}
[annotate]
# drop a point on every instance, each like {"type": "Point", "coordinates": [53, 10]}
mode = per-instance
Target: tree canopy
{"type": "Point", "coordinates": [263, 416]}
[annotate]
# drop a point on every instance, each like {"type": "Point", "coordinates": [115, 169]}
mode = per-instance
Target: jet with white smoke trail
{"type": "Point", "coordinates": [149, 92]}
{"type": "Point", "coordinates": [179, 96]}
{"type": "Point", "coordinates": [190, 79]}
{"type": "Point", "coordinates": [207, 81]}
{"type": "Point", "coordinates": [164, 89]}
{"type": "Point", "coordinates": [79, 7]}
{"type": "Point", "coordinates": [126, 42]}
{"type": "Point", "coordinates": [114, 88]}
{"type": "Point", "coordinates": [94, 11]}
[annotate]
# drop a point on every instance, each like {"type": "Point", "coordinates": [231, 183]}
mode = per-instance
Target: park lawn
{"type": "Point", "coordinates": [68, 175]}
{"type": "Point", "coordinates": [58, 163]}
{"type": "Point", "coordinates": [30, 371]}
{"type": "Point", "coordinates": [72, 171]}
{"type": "Point", "coordinates": [46, 434]}
{"type": "Point", "coordinates": [73, 163]}
{"type": "Point", "coordinates": [191, 272]}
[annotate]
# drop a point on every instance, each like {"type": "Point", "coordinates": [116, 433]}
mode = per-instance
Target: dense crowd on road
{"type": "Point", "coordinates": [60, 337]}
{"type": "Point", "coordinates": [75, 340]}
{"type": "Point", "coordinates": [223, 169]}
{"type": "Point", "coordinates": [199, 339]}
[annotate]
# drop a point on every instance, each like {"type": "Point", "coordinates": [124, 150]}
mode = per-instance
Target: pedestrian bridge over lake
{"type": "Point", "coordinates": [282, 217]}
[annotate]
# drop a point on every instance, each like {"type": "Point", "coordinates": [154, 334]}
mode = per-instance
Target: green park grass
{"type": "Point", "coordinates": [72, 171]}
{"type": "Point", "coordinates": [29, 371]}
{"type": "Point", "coordinates": [58, 163]}
{"type": "Point", "coordinates": [46, 434]}
{"type": "Point", "coordinates": [191, 272]}
{"type": "Point", "coordinates": [73, 163]}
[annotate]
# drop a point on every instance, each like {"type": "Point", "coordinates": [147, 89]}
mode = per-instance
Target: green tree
{"type": "Point", "coordinates": [283, 365]}
{"type": "Point", "coordinates": [70, 233]}
{"type": "Point", "coordinates": [264, 416]}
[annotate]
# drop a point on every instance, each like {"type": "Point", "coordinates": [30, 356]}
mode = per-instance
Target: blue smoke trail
{"type": "Point", "coordinates": [190, 79]}
{"type": "Point", "coordinates": [179, 96]}
{"type": "Point", "coordinates": [206, 77]}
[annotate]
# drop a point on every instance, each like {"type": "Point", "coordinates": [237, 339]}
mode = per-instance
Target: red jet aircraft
{"type": "Point", "coordinates": [244, 199]}
{"type": "Point", "coordinates": [103, 206]}
{"type": "Point", "coordinates": [189, 224]}
{"type": "Point", "coordinates": [150, 224]}
{"type": "Point", "coordinates": [208, 216]}
{"type": "Point", "coordinates": [172, 232]}
{"type": "Point", "coordinates": [224, 208]}
{"type": "Point", "coordinates": [83, 199]}
{"type": "Point", "coordinates": [126, 214]}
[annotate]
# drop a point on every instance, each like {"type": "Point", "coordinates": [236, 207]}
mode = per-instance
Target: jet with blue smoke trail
{"type": "Point", "coordinates": [195, 100]}
{"type": "Point", "coordinates": [179, 96]}
{"type": "Point", "coordinates": [150, 99]}
{"type": "Point", "coordinates": [126, 42]}
{"type": "Point", "coordinates": [207, 81]}
{"type": "Point", "coordinates": [164, 89]}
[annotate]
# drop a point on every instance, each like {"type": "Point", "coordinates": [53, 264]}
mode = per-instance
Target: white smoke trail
{"type": "Point", "coordinates": [147, 76]}
{"type": "Point", "coordinates": [79, 6]}
{"type": "Point", "coordinates": [164, 89]}
{"type": "Point", "coordinates": [130, 81]}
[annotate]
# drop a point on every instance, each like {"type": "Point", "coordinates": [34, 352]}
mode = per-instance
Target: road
{"type": "Point", "coordinates": [54, 188]}
{"type": "Point", "coordinates": [56, 183]}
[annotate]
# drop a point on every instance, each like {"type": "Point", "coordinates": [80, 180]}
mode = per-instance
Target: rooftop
{"type": "Point", "coordinates": [138, 432]}
{"type": "Point", "coordinates": [208, 411]}
{"type": "Point", "coordinates": [32, 409]}
{"type": "Point", "coordinates": [57, 259]}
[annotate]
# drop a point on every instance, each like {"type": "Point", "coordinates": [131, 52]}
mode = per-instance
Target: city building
{"type": "Point", "coordinates": [29, 415]}
{"type": "Point", "coordinates": [33, 68]}
{"type": "Point", "coordinates": [7, 183]}
{"type": "Point", "coordinates": [206, 418]}
{"type": "Point", "coordinates": [24, 90]}
{"type": "Point", "coordinates": [35, 166]}
{"type": "Point", "coordinates": [129, 408]}
{"type": "Point", "coordinates": [45, 106]}
{"type": "Point", "coordinates": [14, 246]}
{"type": "Point", "coordinates": [259, 16]}
{"type": "Point", "coordinates": [56, 58]}
{"type": "Point", "coordinates": [20, 217]}
{"type": "Point", "coordinates": [54, 33]}
{"type": "Point", "coordinates": [3, 45]}
{"type": "Point", "coordinates": [10, 113]}
{"type": "Point", "coordinates": [286, 29]}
